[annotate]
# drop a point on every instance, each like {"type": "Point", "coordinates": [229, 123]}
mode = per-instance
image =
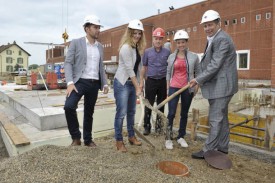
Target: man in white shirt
{"type": "Point", "coordinates": [85, 75]}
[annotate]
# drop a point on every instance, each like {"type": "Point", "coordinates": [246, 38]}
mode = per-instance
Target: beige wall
{"type": "Point", "coordinates": [15, 55]}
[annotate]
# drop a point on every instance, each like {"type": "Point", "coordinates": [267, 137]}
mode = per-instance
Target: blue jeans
{"type": "Point", "coordinates": [186, 99]}
{"type": "Point", "coordinates": [125, 96]}
{"type": "Point", "coordinates": [90, 91]}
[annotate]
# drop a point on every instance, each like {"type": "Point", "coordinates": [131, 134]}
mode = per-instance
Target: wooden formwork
{"type": "Point", "coordinates": [251, 130]}
{"type": "Point", "coordinates": [21, 80]}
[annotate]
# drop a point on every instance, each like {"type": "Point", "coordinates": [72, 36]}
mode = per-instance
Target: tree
{"type": "Point", "coordinates": [33, 66]}
{"type": "Point", "coordinates": [16, 67]}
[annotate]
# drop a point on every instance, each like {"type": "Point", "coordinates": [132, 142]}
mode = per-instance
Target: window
{"type": "Point", "coordinates": [9, 68]}
{"type": "Point", "coordinates": [9, 60]}
{"type": "Point", "coordinates": [268, 15]}
{"type": "Point", "coordinates": [8, 52]}
{"type": "Point", "coordinates": [258, 17]}
{"type": "Point", "coordinates": [20, 52]}
{"type": "Point", "coordinates": [234, 21]}
{"type": "Point", "coordinates": [243, 20]}
{"type": "Point", "coordinates": [243, 59]}
{"type": "Point", "coordinates": [20, 60]}
{"type": "Point", "coordinates": [195, 29]}
{"type": "Point", "coordinates": [226, 22]}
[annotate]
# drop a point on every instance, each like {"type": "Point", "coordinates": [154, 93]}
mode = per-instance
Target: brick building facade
{"type": "Point", "coordinates": [249, 22]}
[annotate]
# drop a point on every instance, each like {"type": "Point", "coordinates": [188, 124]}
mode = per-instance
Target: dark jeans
{"type": "Point", "coordinates": [186, 99]}
{"type": "Point", "coordinates": [153, 88]}
{"type": "Point", "coordinates": [89, 89]}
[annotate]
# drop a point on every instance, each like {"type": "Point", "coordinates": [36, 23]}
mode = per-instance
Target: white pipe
{"type": "Point", "coordinates": [43, 79]}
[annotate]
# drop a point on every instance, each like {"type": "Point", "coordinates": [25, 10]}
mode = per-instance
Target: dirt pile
{"type": "Point", "coordinates": [104, 164]}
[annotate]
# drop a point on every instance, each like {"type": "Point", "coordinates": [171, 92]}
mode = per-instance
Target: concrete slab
{"type": "Point", "coordinates": [45, 109]}
{"type": "Point", "coordinates": [39, 115]}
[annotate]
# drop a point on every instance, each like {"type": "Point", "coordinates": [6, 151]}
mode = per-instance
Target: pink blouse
{"type": "Point", "coordinates": [179, 78]}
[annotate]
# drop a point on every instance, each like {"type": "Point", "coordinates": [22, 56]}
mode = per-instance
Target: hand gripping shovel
{"type": "Point", "coordinates": [162, 116]}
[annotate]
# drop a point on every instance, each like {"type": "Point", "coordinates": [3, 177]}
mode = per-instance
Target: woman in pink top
{"type": "Point", "coordinates": [182, 64]}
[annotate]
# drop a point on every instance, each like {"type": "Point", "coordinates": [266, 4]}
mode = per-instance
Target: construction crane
{"type": "Point", "coordinates": [65, 35]}
{"type": "Point", "coordinates": [50, 45]}
{"type": "Point", "coordinates": [50, 55]}
{"type": "Point", "coordinates": [51, 76]}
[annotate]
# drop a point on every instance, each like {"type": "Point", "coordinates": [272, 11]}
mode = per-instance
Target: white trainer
{"type": "Point", "coordinates": [169, 144]}
{"type": "Point", "coordinates": [182, 142]}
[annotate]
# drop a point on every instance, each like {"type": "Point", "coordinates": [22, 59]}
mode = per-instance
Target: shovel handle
{"type": "Point", "coordinates": [173, 96]}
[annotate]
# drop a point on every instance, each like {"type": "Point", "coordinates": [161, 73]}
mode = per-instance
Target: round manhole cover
{"type": "Point", "coordinates": [173, 168]}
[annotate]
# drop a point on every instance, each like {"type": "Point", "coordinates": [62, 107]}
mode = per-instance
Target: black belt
{"type": "Point", "coordinates": [157, 79]}
{"type": "Point", "coordinates": [91, 80]}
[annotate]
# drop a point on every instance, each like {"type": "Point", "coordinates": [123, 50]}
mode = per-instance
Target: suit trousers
{"type": "Point", "coordinates": [218, 138]}
{"type": "Point", "coordinates": [154, 88]}
{"type": "Point", "coordinates": [89, 88]}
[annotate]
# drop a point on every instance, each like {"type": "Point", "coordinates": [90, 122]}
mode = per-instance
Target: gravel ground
{"type": "Point", "coordinates": [104, 164]}
{"type": "Point", "coordinates": [3, 151]}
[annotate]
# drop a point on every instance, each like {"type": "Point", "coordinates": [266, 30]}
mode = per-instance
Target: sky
{"type": "Point", "coordinates": [44, 21]}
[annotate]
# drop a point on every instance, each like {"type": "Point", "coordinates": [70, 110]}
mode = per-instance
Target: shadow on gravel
{"type": "Point", "coordinates": [3, 151]}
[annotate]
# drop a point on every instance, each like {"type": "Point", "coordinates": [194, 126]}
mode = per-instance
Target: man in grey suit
{"type": "Point", "coordinates": [218, 79]}
{"type": "Point", "coordinates": [85, 75]}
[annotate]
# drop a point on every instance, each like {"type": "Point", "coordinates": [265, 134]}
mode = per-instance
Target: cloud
{"type": "Point", "coordinates": [45, 21]}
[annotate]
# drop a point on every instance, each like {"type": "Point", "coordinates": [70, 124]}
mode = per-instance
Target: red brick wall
{"type": "Point", "coordinates": [273, 52]}
{"type": "Point", "coordinates": [252, 35]}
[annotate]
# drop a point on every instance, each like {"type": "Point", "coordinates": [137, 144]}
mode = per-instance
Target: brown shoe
{"type": "Point", "coordinates": [76, 142]}
{"type": "Point", "coordinates": [92, 144]}
{"type": "Point", "coordinates": [120, 146]}
{"type": "Point", "coordinates": [133, 141]}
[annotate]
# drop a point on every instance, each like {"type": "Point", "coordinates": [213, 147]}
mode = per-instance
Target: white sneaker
{"type": "Point", "coordinates": [169, 144]}
{"type": "Point", "coordinates": [182, 142]}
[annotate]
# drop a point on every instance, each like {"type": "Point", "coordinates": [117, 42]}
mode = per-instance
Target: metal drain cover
{"type": "Point", "coordinates": [217, 159]}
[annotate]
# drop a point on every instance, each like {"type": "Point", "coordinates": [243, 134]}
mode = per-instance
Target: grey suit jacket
{"type": "Point", "coordinates": [76, 60]}
{"type": "Point", "coordinates": [218, 76]}
{"type": "Point", "coordinates": [192, 66]}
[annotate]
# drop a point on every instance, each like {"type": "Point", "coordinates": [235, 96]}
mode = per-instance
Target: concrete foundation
{"type": "Point", "coordinates": [40, 117]}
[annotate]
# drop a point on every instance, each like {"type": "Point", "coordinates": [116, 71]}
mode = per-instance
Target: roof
{"type": "Point", "coordinates": [4, 47]}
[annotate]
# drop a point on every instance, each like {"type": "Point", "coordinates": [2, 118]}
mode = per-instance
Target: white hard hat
{"type": "Point", "coordinates": [181, 34]}
{"type": "Point", "coordinates": [136, 24]}
{"type": "Point", "coordinates": [209, 15]}
{"type": "Point", "coordinates": [92, 19]}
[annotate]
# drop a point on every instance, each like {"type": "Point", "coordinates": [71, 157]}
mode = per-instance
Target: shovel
{"type": "Point", "coordinates": [156, 109]}
{"type": "Point", "coordinates": [162, 116]}
{"type": "Point", "coordinates": [217, 159]}
{"type": "Point", "coordinates": [140, 135]}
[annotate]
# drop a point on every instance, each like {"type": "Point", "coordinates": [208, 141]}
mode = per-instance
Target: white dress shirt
{"type": "Point", "coordinates": [92, 67]}
{"type": "Point", "coordinates": [210, 39]}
